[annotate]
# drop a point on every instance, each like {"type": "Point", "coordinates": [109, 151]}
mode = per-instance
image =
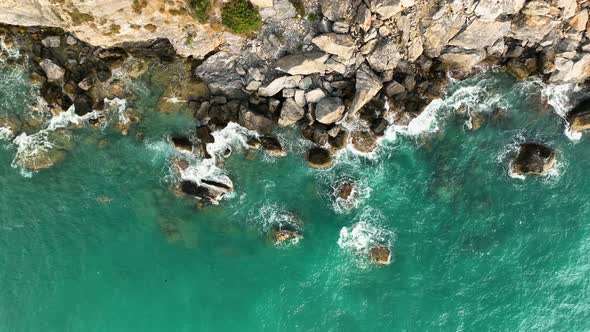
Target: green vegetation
{"type": "Point", "coordinates": [299, 7]}
{"type": "Point", "coordinates": [240, 16]}
{"type": "Point", "coordinates": [202, 9]}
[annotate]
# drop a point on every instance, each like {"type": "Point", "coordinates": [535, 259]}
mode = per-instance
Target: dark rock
{"type": "Point", "coordinates": [182, 143]}
{"type": "Point", "coordinates": [533, 158]}
{"type": "Point", "coordinates": [272, 145]}
{"type": "Point", "coordinates": [344, 190]}
{"type": "Point", "coordinates": [160, 48]}
{"type": "Point", "coordinates": [83, 104]}
{"type": "Point", "coordinates": [209, 190]}
{"type": "Point", "coordinates": [255, 121]}
{"type": "Point", "coordinates": [319, 157]}
{"type": "Point", "coordinates": [316, 133]}
{"type": "Point", "coordinates": [204, 134]}
{"type": "Point", "coordinates": [379, 126]}
{"type": "Point", "coordinates": [339, 141]}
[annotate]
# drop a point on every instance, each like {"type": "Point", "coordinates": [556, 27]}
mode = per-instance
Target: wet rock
{"type": "Point", "coordinates": [291, 112]}
{"type": "Point", "coordinates": [182, 143]}
{"type": "Point", "coordinates": [340, 45]}
{"type": "Point", "coordinates": [255, 121]}
{"type": "Point", "coordinates": [364, 141]}
{"type": "Point", "coordinates": [579, 117]}
{"type": "Point", "coordinates": [367, 86]}
{"type": "Point", "coordinates": [83, 104]}
{"type": "Point", "coordinates": [344, 190]}
{"type": "Point", "coordinates": [316, 133]}
{"type": "Point", "coordinates": [533, 158]}
{"type": "Point", "coordinates": [53, 72]}
{"type": "Point", "coordinates": [380, 255]}
{"type": "Point", "coordinates": [303, 64]}
{"type": "Point", "coordinates": [378, 126]}
{"type": "Point", "coordinates": [211, 191]}
{"type": "Point", "coordinates": [204, 134]}
{"type": "Point", "coordinates": [318, 158]}
{"type": "Point", "coordinates": [273, 146]}
{"type": "Point", "coordinates": [281, 236]}
{"type": "Point", "coordinates": [340, 141]}
{"type": "Point", "coordinates": [329, 110]}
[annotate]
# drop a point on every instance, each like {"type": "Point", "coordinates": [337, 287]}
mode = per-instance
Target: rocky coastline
{"type": "Point", "coordinates": [340, 72]}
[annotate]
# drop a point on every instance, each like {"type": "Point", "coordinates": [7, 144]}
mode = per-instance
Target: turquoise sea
{"type": "Point", "coordinates": [100, 242]}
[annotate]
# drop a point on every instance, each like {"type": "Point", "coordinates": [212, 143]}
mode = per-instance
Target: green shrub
{"type": "Point", "coordinates": [240, 16]}
{"type": "Point", "coordinates": [202, 9]}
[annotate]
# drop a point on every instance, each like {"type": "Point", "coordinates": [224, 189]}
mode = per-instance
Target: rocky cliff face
{"type": "Point", "coordinates": [109, 22]}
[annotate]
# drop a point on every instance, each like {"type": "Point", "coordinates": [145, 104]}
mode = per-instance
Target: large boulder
{"type": "Point", "coordinates": [367, 86]}
{"type": "Point", "coordinates": [182, 143]}
{"type": "Point", "coordinates": [220, 80]}
{"type": "Point", "coordinates": [303, 64]}
{"type": "Point", "coordinates": [480, 34]}
{"type": "Point", "coordinates": [291, 112]}
{"type": "Point", "coordinates": [255, 121]}
{"type": "Point", "coordinates": [318, 157]}
{"type": "Point", "coordinates": [329, 110]}
{"type": "Point", "coordinates": [533, 158]}
{"type": "Point", "coordinates": [337, 44]}
{"type": "Point", "coordinates": [579, 117]}
{"type": "Point", "coordinates": [386, 56]}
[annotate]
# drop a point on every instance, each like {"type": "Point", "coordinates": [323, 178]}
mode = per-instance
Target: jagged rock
{"type": "Point", "coordinates": [532, 28]}
{"type": "Point", "coordinates": [253, 86]}
{"type": "Point", "coordinates": [579, 117]}
{"type": "Point", "coordinates": [363, 17]}
{"type": "Point", "coordinates": [203, 133]}
{"type": "Point", "coordinates": [480, 34]}
{"type": "Point", "coordinates": [491, 9]}
{"type": "Point", "coordinates": [386, 8]}
{"type": "Point", "coordinates": [316, 133]}
{"type": "Point", "coordinates": [394, 88]}
{"type": "Point", "coordinates": [336, 10]}
{"type": "Point", "coordinates": [367, 86]}
{"type": "Point", "coordinates": [573, 72]}
{"type": "Point", "coordinates": [255, 121]}
{"type": "Point", "coordinates": [51, 41]}
{"type": "Point", "coordinates": [305, 83]}
{"type": "Point", "coordinates": [579, 21]}
{"type": "Point", "coordinates": [341, 45]}
{"type": "Point", "coordinates": [281, 236]}
{"type": "Point", "coordinates": [533, 158]}
{"type": "Point", "coordinates": [386, 56]}
{"type": "Point", "coordinates": [340, 27]}
{"type": "Point", "coordinates": [83, 104]}
{"type": "Point", "coordinates": [182, 143]}
{"type": "Point", "coordinates": [315, 95]}
{"type": "Point", "coordinates": [446, 25]}
{"type": "Point", "coordinates": [53, 72]}
{"type": "Point", "coordinates": [319, 158]}
{"type": "Point", "coordinates": [329, 110]}
{"type": "Point", "coordinates": [344, 190]}
{"type": "Point", "coordinates": [378, 126]}
{"type": "Point", "coordinates": [221, 81]}
{"type": "Point", "coordinates": [463, 61]}
{"type": "Point", "coordinates": [273, 146]}
{"type": "Point", "coordinates": [291, 112]}
{"type": "Point", "coordinates": [364, 141]}
{"type": "Point", "coordinates": [274, 87]}
{"type": "Point", "coordinates": [380, 255]}
{"type": "Point", "coordinates": [303, 64]}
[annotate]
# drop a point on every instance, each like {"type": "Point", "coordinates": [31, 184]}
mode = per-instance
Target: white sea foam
{"type": "Point", "coordinates": [559, 97]}
{"type": "Point", "coordinates": [6, 133]}
{"type": "Point", "coordinates": [368, 232]}
{"type": "Point", "coordinates": [358, 239]}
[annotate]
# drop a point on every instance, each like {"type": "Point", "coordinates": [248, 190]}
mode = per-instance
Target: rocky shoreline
{"type": "Point", "coordinates": [341, 72]}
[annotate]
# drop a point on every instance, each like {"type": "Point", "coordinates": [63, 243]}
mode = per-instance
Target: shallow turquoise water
{"type": "Point", "coordinates": [474, 248]}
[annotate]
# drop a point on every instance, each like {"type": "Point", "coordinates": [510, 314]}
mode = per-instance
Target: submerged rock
{"type": "Point", "coordinates": [344, 190]}
{"type": "Point", "coordinates": [272, 145]}
{"type": "Point", "coordinates": [319, 157]}
{"type": "Point", "coordinates": [579, 117]}
{"type": "Point", "coordinates": [282, 236]}
{"type": "Point", "coordinates": [533, 158]}
{"type": "Point", "coordinates": [211, 191]}
{"type": "Point", "coordinates": [364, 141]}
{"type": "Point", "coordinates": [380, 255]}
